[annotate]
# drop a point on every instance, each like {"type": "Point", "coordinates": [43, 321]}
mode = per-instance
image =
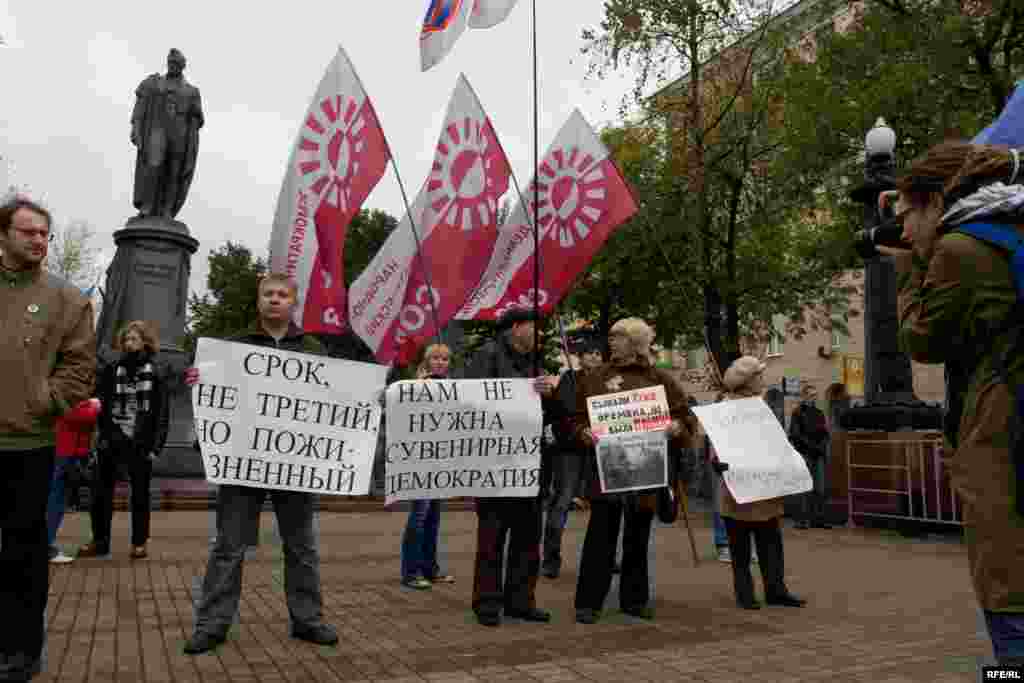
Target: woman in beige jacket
{"type": "Point", "coordinates": [761, 518]}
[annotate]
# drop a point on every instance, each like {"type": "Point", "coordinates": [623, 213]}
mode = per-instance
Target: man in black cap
{"type": "Point", "coordinates": [509, 355]}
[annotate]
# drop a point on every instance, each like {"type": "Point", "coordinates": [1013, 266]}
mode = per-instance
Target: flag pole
{"type": "Point", "coordinates": [536, 205]}
{"type": "Point", "coordinates": [438, 335]}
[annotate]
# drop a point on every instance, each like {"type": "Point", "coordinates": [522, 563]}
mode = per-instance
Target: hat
{"type": "Point", "coordinates": [741, 372]}
{"type": "Point", "coordinates": [516, 315]}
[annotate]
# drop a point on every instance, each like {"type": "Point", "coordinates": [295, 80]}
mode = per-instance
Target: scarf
{"type": "Point", "coordinates": [131, 377]}
{"type": "Point", "coordinates": [997, 200]}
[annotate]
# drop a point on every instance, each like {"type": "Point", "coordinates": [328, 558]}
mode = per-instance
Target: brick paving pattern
{"type": "Point", "coordinates": [882, 608]}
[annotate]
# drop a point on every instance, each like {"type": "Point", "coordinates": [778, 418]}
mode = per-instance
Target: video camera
{"type": "Point", "coordinates": [886, 234]}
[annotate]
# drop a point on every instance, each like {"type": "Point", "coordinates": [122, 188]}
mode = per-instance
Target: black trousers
{"type": "Point", "coordinates": [768, 537]}
{"type": "Point", "coordinates": [598, 560]}
{"type": "Point", "coordinates": [566, 484]}
{"type": "Point", "coordinates": [24, 550]}
{"type": "Point", "coordinates": [517, 521]}
{"type": "Point", "coordinates": [140, 473]}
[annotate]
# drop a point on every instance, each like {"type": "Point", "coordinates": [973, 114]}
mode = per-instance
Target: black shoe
{"type": "Point", "coordinates": [748, 604]}
{"type": "Point", "coordinates": [639, 611]}
{"type": "Point", "coordinates": [785, 600]}
{"type": "Point", "coordinates": [822, 525]}
{"type": "Point", "coordinates": [320, 634]}
{"type": "Point", "coordinates": [551, 572]}
{"type": "Point", "coordinates": [802, 525]}
{"type": "Point", "coordinates": [529, 614]}
{"type": "Point", "coordinates": [19, 667]}
{"type": "Point", "coordinates": [201, 642]}
{"type": "Point", "coordinates": [587, 616]}
{"type": "Point", "coordinates": [489, 618]}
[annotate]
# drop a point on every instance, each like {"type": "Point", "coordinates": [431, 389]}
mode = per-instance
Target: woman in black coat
{"type": "Point", "coordinates": [132, 432]}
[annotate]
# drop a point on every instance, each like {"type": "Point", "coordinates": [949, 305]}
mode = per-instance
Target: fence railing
{"type": "Point", "coordinates": [911, 463]}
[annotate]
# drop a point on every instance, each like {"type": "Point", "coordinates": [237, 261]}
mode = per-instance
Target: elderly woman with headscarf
{"type": "Point", "coordinates": [762, 518]}
{"type": "Point", "coordinates": [630, 367]}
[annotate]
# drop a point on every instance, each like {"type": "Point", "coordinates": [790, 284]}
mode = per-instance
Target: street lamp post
{"type": "Point", "coordinates": [890, 404]}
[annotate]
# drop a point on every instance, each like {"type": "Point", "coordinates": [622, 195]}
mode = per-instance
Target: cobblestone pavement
{"type": "Point", "coordinates": [882, 608]}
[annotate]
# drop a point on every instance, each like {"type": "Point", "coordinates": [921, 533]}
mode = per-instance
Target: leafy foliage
{"type": "Point", "coordinates": [72, 257]}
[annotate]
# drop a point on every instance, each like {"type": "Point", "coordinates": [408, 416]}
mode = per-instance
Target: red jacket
{"type": "Point", "coordinates": [75, 428]}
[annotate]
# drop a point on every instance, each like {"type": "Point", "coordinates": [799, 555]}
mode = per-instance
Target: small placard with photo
{"type": "Point", "coordinates": [633, 462]}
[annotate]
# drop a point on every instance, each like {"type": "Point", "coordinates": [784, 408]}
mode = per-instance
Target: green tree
{"type": "Point", "coordinates": [720, 213]}
{"type": "Point", "coordinates": [71, 255]}
{"type": "Point", "coordinates": [229, 306]}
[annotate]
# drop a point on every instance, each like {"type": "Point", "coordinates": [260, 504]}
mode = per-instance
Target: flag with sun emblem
{"type": "Point", "coordinates": [582, 199]}
{"type": "Point", "coordinates": [394, 301]}
{"type": "Point", "coordinates": [446, 21]}
{"type": "Point", "coordinates": [338, 157]}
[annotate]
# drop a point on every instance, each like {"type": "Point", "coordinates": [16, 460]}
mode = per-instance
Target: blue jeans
{"type": "Point", "coordinates": [721, 535]}
{"type": "Point", "coordinates": [1007, 633]}
{"type": "Point", "coordinates": [55, 503]}
{"type": "Point", "coordinates": [419, 542]}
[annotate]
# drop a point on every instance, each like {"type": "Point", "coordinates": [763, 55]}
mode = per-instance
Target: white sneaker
{"type": "Point", "coordinates": [61, 558]}
{"type": "Point", "coordinates": [724, 556]}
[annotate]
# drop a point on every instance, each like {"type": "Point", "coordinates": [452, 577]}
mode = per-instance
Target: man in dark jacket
{"type": "Point", "coordinates": [509, 355]}
{"type": "Point", "coordinates": [566, 459]}
{"type": "Point", "coordinates": [808, 432]}
{"type": "Point", "coordinates": [48, 361]}
{"type": "Point", "coordinates": [238, 510]}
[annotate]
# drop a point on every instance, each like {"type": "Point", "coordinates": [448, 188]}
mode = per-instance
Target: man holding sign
{"type": "Point", "coordinates": [633, 413]}
{"type": "Point", "coordinates": [509, 355]}
{"type": "Point", "coordinates": [238, 509]}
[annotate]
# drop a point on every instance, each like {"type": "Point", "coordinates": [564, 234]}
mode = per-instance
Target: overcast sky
{"type": "Point", "coordinates": [71, 69]}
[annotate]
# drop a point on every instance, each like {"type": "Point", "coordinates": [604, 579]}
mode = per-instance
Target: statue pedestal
{"type": "Point", "coordinates": [148, 280]}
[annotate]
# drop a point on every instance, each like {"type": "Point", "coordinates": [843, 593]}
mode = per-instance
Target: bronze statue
{"type": "Point", "coordinates": [165, 128]}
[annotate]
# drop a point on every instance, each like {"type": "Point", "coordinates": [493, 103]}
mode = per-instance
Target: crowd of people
{"type": "Point", "coordinates": [958, 305]}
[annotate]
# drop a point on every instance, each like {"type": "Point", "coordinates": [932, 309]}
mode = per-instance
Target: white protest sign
{"type": "Point", "coordinates": [748, 437]}
{"type": "Point", "coordinates": [629, 412]}
{"type": "Point", "coordinates": [277, 419]}
{"type": "Point", "coordinates": [470, 437]}
{"type": "Point", "coordinates": [630, 462]}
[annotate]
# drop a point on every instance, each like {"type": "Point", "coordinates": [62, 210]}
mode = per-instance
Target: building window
{"type": "Point", "coordinates": [837, 339]}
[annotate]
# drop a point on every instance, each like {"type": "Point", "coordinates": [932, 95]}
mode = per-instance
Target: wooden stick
{"type": "Point", "coordinates": [683, 505]}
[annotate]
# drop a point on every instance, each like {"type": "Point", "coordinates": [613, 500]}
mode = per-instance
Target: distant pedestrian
{"type": "Point", "coordinates": [48, 359]}
{"type": "Point", "coordinates": [76, 432]}
{"type": "Point", "coordinates": [809, 434]}
{"type": "Point", "coordinates": [420, 569]}
{"type": "Point", "coordinates": [133, 430]}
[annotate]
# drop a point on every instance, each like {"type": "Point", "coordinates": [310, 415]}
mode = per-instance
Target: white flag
{"type": "Point", "coordinates": [338, 157]}
{"type": "Point", "coordinates": [488, 13]}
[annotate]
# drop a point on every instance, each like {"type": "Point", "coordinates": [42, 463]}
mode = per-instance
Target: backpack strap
{"type": "Point", "coordinates": [1005, 237]}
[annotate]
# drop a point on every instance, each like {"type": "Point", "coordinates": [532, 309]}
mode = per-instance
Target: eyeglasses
{"type": "Point", "coordinates": [45, 235]}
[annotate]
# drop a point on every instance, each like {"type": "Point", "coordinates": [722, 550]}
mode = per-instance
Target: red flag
{"type": "Point", "coordinates": [338, 158]}
{"type": "Point", "coordinates": [394, 302]}
{"type": "Point", "coordinates": [582, 199]}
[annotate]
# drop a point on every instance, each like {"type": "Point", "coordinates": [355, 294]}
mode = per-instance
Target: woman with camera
{"type": "Point", "coordinates": [961, 207]}
{"type": "Point", "coordinates": [132, 431]}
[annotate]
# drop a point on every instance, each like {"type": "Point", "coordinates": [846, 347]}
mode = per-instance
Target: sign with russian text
{"type": "Point", "coordinates": [629, 412]}
{"type": "Point", "coordinates": [278, 419]}
{"type": "Point", "coordinates": [748, 437]}
{"type": "Point", "coordinates": [454, 438]}
{"type": "Point", "coordinates": [632, 462]}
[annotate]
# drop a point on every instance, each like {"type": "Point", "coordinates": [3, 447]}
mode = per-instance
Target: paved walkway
{"type": "Point", "coordinates": [882, 608]}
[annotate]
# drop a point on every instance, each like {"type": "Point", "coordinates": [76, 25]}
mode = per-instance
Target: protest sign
{"type": "Point", "coordinates": [453, 438]}
{"type": "Point", "coordinates": [629, 412]}
{"type": "Point", "coordinates": [747, 436]}
{"type": "Point", "coordinates": [630, 462]}
{"type": "Point", "coordinates": [282, 420]}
